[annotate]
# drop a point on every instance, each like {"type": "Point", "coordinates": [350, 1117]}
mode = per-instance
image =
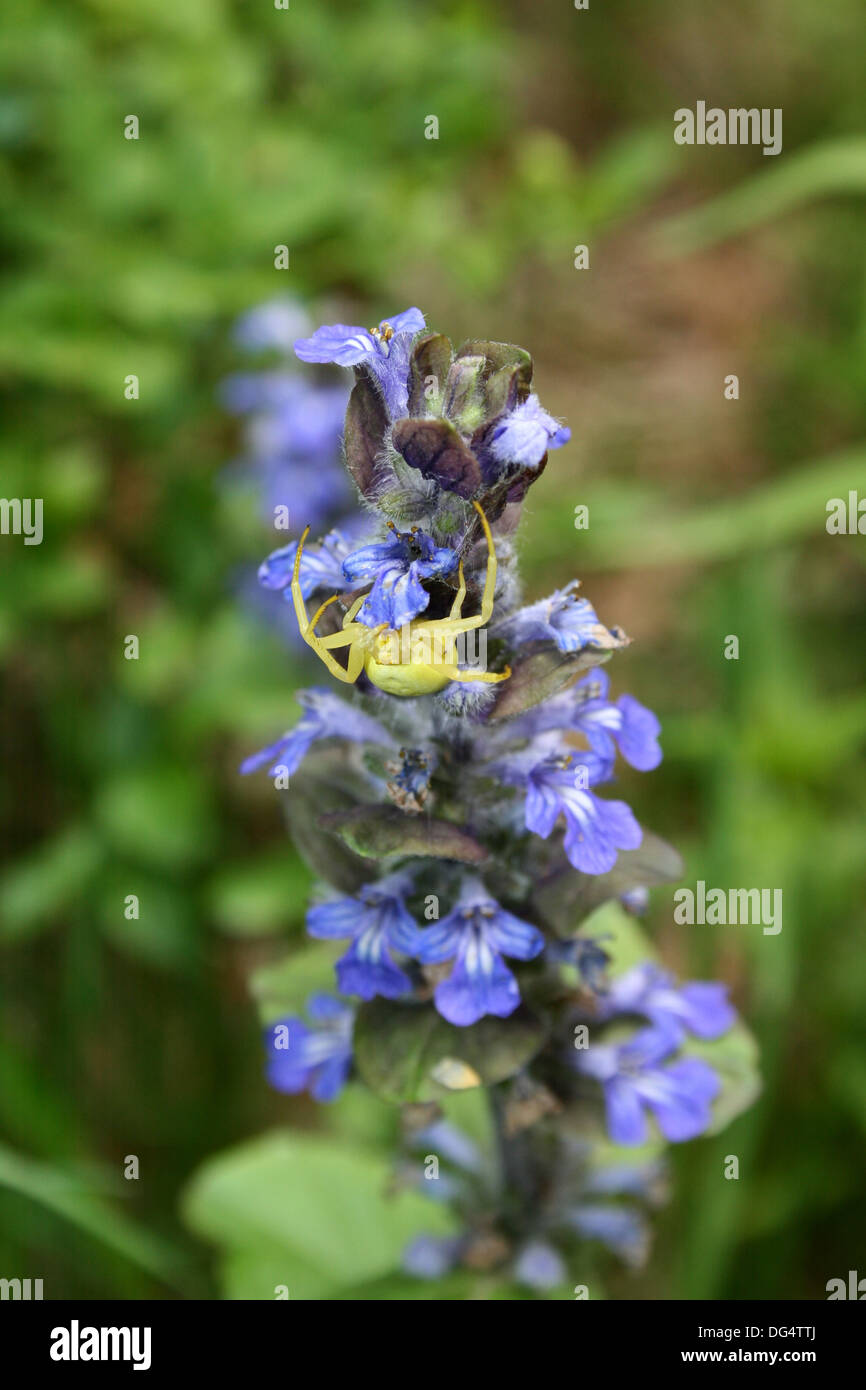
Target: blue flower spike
{"type": "Point", "coordinates": [476, 780]}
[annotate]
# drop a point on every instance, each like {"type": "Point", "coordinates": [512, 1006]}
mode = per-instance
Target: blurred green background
{"type": "Point", "coordinates": [305, 127]}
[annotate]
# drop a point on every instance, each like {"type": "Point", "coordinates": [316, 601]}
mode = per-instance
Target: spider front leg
{"type": "Point", "coordinates": [349, 631]}
{"type": "Point", "coordinates": [457, 605]}
{"type": "Point", "coordinates": [489, 677]}
{"type": "Point", "coordinates": [466, 624]}
{"type": "Point", "coordinates": [307, 628]}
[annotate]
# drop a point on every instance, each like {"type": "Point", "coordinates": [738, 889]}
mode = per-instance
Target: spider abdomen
{"type": "Point", "coordinates": [409, 679]}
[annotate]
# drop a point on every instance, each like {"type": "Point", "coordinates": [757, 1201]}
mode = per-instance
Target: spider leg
{"type": "Point", "coordinates": [332, 664]}
{"type": "Point", "coordinates": [352, 613]}
{"type": "Point", "coordinates": [344, 637]}
{"type": "Point", "coordinates": [297, 596]}
{"type": "Point", "coordinates": [457, 605]}
{"type": "Point", "coordinates": [490, 577]}
{"type": "Point", "coordinates": [466, 624]}
{"type": "Point", "coordinates": [319, 611]}
{"type": "Point", "coordinates": [306, 627]}
{"type": "Point", "coordinates": [356, 661]}
{"type": "Point", "coordinates": [489, 677]}
{"type": "Point", "coordinates": [349, 630]}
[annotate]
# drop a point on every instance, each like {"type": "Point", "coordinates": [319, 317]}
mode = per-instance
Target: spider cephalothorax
{"type": "Point", "coordinates": [419, 659]}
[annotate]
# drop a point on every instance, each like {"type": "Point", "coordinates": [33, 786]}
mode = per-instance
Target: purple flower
{"type": "Point", "coordinates": [312, 1059]}
{"type": "Point", "coordinates": [409, 778]}
{"type": "Point", "coordinates": [396, 568]}
{"type": "Point", "coordinates": [478, 933]}
{"type": "Point", "coordinates": [245, 392]}
{"type": "Point", "coordinates": [622, 1229]}
{"type": "Point", "coordinates": [448, 1142]}
{"type": "Point", "coordinates": [635, 900]}
{"type": "Point", "coordinates": [384, 350]}
{"type": "Point", "coordinates": [699, 1007]}
{"type": "Point", "coordinates": [293, 442]}
{"type": "Point", "coordinates": [280, 483]}
{"type": "Point", "coordinates": [586, 709]}
{"type": "Point", "coordinates": [627, 723]}
{"type": "Point", "coordinates": [306, 424]}
{"type": "Point", "coordinates": [633, 1079]}
{"type": "Point", "coordinates": [275, 324]}
{"type": "Point", "coordinates": [644, 1180]}
{"type": "Point", "coordinates": [431, 1257]}
{"type": "Point", "coordinates": [378, 922]}
{"type": "Point", "coordinates": [321, 566]}
{"type": "Point", "coordinates": [595, 830]}
{"type": "Point", "coordinates": [572, 623]}
{"type": "Point", "coordinates": [539, 1266]}
{"type": "Point", "coordinates": [586, 955]}
{"type": "Point", "coordinates": [524, 436]}
{"type": "Point", "coordinates": [327, 716]}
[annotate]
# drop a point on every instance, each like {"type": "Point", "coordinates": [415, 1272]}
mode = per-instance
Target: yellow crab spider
{"type": "Point", "coordinates": [420, 659]}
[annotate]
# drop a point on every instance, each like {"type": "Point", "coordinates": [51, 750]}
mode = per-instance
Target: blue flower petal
{"type": "Point", "coordinates": [408, 321]}
{"type": "Point", "coordinates": [638, 734]}
{"type": "Point", "coordinates": [479, 984]}
{"type": "Point", "coordinates": [367, 970]}
{"type": "Point", "coordinates": [344, 344]}
{"type": "Point", "coordinates": [513, 937]}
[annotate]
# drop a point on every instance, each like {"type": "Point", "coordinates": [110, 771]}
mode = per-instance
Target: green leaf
{"type": "Point", "coordinates": [73, 1199]}
{"type": "Point", "coordinates": [632, 535]}
{"type": "Point", "coordinates": [626, 942]}
{"type": "Point", "coordinates": [284, 988]}
{"type": "Point", "coordinates": [463, 402]}
{"type": "Point", "coordinates": [165, 933]}
{"type": "Point", "coordinates": [381, 832]}
{"type": "Point", "coordinates": [336, 862]}
{"type": "Point", "coordinates": [544, 673]}
{"type": "Point", "coordinates": [735, 1058]}
{"type": "Point", "coordinates": [819, 171]}
{"type": "Point", "coordinates": [431, 358]}
{"type": "Point", "coordinates": [315, 1209]}
{"type": "Point", "coordinates": [157, 815]}
{"type": "Point", "coordinates": [36, 888]}
{"type": "Point", "coordinates": [504, 390]}
{"type": "Point", "coordinates": [499, 355]}
{"type": "Point", "coordinates": [567, 896]}
{"type": "Point", "coordinates": [261, 896]}
{"type": "Point", "coordinates": [409, 1052]}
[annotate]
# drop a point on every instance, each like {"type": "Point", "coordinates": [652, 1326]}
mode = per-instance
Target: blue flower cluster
{"type": "Point", "coordinates": [292, 439]}
{"type": "Point", "coordinates": [478, 816]}
{"type": "Point", "coordinates": [646, 1073]}
{"type": "Point", "coordinates": [596, 1201]}
{"type": "Point", "coordinates": [293, 427]}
